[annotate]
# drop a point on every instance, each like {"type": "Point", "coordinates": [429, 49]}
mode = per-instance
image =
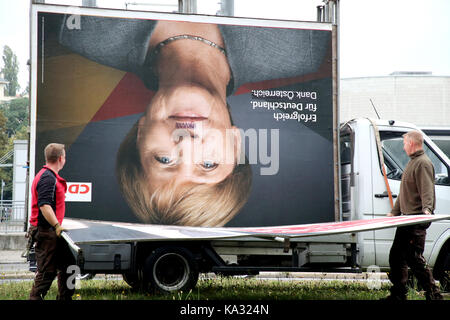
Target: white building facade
{"type": "Point", "coordinates": [416, 97]}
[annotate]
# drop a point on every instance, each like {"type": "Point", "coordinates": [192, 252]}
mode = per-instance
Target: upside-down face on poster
{"type": "Point", "coordinates": [187, 120]}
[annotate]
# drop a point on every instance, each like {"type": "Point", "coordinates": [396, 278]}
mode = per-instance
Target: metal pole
{"type": "Point", "coordinates": [320, 13]}
{"type": "Point", "coordinates": [1, 202]}
{"type": "Point", "coordinates": [333, 7]}
{"type": "Point", "coordinates": [336, 23]}
{"type": "Point", "coordinates": [226, 8]}
{"type": "Point", "coordinates": [89, 3]}
{"type": "Point", "coordinates": [187, 6]}
{"type": "Point", "coordinates": [328, 12]}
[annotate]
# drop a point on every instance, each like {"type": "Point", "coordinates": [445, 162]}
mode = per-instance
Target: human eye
{"type": "Point", "coordinates": [165, 160]}
{"type": "Point", "coordinates": [209, 165]}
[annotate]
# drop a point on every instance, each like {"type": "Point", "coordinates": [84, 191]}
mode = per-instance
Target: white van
{"type": "Point", "coordinates": [369, 199]}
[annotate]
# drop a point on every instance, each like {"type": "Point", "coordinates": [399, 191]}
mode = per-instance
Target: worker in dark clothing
{"type": "Point", "coordinates": [416, 196]}
{"type": "Point", "coordinates": [47, 213]}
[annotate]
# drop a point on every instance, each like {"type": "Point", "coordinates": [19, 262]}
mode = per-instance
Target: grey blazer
{"type": "Point", "coordinates": [254, 53]}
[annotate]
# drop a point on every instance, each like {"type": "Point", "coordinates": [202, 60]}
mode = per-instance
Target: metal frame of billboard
{"type": "Point", "coordinates": [36, 8]}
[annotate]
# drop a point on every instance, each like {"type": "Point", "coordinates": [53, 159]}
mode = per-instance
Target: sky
{"type": "Point", "coordinates": [377, 37]}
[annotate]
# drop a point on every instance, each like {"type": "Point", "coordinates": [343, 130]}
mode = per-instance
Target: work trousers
{"type": "Point", "coordinates": [407, 250]}
{"type": "Point", "coordinates": [53, 257]}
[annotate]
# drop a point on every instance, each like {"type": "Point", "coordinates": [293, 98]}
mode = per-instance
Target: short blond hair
{"type": "Point", "coordinates": [191, 204]}
{"type": "Point", "coordinates": [53, 151]}
{"type": "Point", "coordinates": [415, 136]}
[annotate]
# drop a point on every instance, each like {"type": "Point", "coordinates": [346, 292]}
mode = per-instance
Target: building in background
{"type": "Point", "coordinates": [20, 171]}
{"type": "Point", "coordinates": [416, 97]}
{"type": "Point", "coordinates": [3, 84]}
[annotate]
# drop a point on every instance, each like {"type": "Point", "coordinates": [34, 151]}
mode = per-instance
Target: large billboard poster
{"type": "Point", "coordinates": [186, 120]}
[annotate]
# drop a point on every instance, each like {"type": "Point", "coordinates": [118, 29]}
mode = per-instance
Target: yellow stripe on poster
{"type": "Point", "coordinates": [73, 90]}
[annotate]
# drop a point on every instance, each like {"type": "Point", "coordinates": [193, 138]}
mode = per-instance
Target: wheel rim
{"type": "Point", "coordinates": [171, 271]}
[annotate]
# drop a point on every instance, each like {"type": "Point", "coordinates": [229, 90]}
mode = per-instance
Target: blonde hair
{"type": "Point", "coordinates": [53, 151]}
{"type": "Point", "coordinates": [415, 136]}
{"type": "Point", "coordinates": [208, 205]}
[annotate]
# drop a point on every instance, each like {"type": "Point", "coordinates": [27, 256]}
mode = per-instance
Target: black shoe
{"type": "Point", "coordinates": [433, 296]}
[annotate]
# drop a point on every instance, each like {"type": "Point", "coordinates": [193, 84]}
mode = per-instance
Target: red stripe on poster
{"type": "Point", "coordinates": [129, 97]}
{"type": "Point", "coordinates": [322, 227]}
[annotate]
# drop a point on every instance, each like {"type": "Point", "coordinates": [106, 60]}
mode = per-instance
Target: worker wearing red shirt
{"type": "Point", "coordinates": [48, 208]}
{"type": "Point", "coordinates": [48, 179]}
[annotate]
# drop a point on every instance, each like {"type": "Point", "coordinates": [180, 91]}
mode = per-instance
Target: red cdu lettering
{"type": "Point", "coordinates": [74, 188]}
{"type": "Point", "coordinates": [79, 192]}
{"type": "Point", "coordinates": [84, 188]}
{"type": "Point", "coordinates": [79, 188]}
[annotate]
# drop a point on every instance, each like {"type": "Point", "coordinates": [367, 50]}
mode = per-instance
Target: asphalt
{"type": "Point", "coordinates": [13, 265]}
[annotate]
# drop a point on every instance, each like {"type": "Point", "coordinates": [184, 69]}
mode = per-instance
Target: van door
{"type": "Point", "coordinates": [395, 160]}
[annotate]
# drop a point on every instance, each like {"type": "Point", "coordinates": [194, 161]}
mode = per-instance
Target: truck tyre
{"type": "Point", "coordinates": [170, 269]}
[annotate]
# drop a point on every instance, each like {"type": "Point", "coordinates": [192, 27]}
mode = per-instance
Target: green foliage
{"type": "Point", "coordinates": [5, 173]}
{"type": "Point", "coordinates": [10, 71]}
{"type": "Point", "coordinates": [16, 112]}
{"type": "Point", "coordinates": [3, 134]}
{"type": "Point", "coordinates": [14, 116]}
{"type": "Point", "coordinates": [221, 288]}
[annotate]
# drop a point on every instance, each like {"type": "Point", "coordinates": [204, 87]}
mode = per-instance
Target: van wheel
{"type": "Point", "coordinates": [441, 270]}
{"type": "Point", "coordinates": [170, 269]}
{"type": "Point", "coordinates": [443, 276]}
{"type": "Point", "coordinates": [444, 281]}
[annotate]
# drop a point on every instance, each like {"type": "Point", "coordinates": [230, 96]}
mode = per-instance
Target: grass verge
{"type": "Point", "coordinates": [221, 288]}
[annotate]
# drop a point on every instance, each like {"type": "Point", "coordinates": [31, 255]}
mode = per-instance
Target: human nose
{"type": "Point", "coordinates": [193, 133]}
{"type": "Point", "coordinates": [189, 145]}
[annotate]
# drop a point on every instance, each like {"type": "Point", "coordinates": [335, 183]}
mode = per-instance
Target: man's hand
{"type": "Point", "coordinates": [390, 214]}
{"type": "Point", "coordinates": [58, 229]}
{"type": "Point", "coordinates": [427, 212]}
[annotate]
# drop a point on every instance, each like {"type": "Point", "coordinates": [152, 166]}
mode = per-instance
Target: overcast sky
{"type": "Point", "coordinates": [376, 37]}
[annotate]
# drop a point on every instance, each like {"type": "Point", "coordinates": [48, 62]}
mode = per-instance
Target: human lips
{"type": "Point", "coordinates": [187, 117]}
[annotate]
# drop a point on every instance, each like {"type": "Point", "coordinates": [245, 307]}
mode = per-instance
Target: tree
{"type": "Point", "coordinates": [5, 173]}
{"type": "Point", "coordinates": [3, 135]}
{"type": "Point", "coordinates": [16, 112]}
{"type": "Point", "coordinates": [13, 126]}
{"type": "Point", "coordinates": [10, 71]}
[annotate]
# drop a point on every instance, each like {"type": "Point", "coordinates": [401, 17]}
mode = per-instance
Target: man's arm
{"type": "Point", "coordinates": [425, 185]}
{"type": "Point", "coordinates": [50, 216]}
